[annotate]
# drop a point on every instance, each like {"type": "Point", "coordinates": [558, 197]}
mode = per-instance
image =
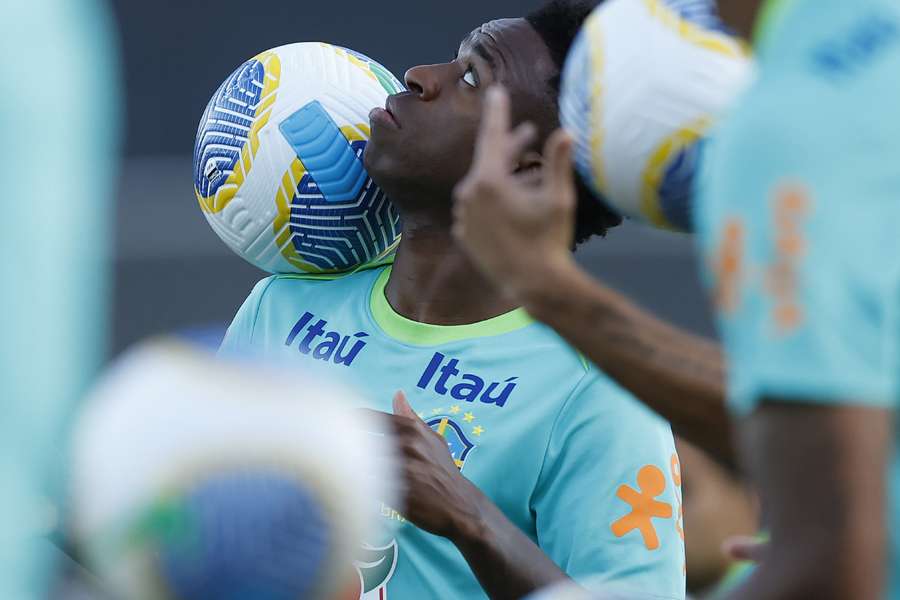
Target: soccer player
{"type": "Point", "coordinates": [524, 464]}
{"type": "Point", "coordinates": [808, 157]}
{"type": "Point", "coordinates": [59, 112]}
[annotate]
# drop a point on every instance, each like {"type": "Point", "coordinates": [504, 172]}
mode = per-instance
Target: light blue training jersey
{"type": "Point", "coordinates": [574, 461]}
{"type": "Point", "coordinates": [799, 215]}
{"type": "Point", "coordinates": [59, 116]}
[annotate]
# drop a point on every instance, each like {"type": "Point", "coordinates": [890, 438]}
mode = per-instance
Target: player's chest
{"type": "Point", "coordinates": [494, 403]}
{"type": "Point", "coordinates": [478, 373]}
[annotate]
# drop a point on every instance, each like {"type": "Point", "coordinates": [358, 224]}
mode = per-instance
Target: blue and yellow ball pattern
{"type": "Point", "coordinates": [278, 168]}
{"type": "Point", "coordinates": [228, 139]}
{"type": "Point", "coordinates": [643, 85]}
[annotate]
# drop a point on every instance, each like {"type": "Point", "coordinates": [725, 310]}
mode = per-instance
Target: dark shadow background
{"type": "Point", "coordinates": [172, 272]}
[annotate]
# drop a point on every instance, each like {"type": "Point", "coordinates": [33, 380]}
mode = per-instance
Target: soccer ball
{"type": "Point", "coordinates": [201, 479]}
{"type": "Point", "coordinates": [642, 86]}
{"type": "Point", "coordinates": [278, 168]}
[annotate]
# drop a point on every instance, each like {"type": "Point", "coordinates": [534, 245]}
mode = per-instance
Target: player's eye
{"type": "Point", "coordinates": [471, 77]}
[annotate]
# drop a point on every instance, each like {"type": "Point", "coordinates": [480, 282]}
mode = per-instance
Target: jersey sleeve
{"type": "Point", "coordinates": [802, 243]}
{"type": "Point", "coordinates": [239, 336]}
{"type": "Point", "coordinates": [607, 503]}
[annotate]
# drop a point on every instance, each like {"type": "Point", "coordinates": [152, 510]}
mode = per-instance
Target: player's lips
{"type": "Point", "coordinates": [381, 116]}
{"type": "Point", "coordinates": [384, 115]}
{"type": "Point", "coordinates": [390, 105]}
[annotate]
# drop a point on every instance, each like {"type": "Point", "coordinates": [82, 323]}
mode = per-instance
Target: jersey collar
{"type": "Point", "coordinates": [424, 334]}
{"type": "Point", "coordinates": [771, 12]}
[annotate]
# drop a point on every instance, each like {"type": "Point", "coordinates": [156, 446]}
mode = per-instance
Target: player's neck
{"type": "Point", "coordinates": [433, 281]}
{"type": "Point", "coordinates": [740, 15]}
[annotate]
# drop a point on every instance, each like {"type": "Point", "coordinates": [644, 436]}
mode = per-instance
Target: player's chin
{"type": "Point", "coordinates": [376, 158]}
{"type": "Point", "coordinates": [385, 160]}
{"type": "Point", "coordinates": [383, 132]}
{"type": "Point", "coordinates": [384, 166]}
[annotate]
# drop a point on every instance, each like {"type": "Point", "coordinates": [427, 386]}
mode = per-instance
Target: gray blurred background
{"type": "Point", "coordinates": [171, 270]}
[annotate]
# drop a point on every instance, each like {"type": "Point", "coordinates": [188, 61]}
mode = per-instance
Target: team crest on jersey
{"type": "Point", "coordinates": [460, 446]}
{"type": "Point", "coordinates": [375, 567]}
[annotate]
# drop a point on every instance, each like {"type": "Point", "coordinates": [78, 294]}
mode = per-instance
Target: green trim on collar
{"type": "Point", "coordinates": [424, 334]}
{"type": "Point", "coordinates": [769, 14]}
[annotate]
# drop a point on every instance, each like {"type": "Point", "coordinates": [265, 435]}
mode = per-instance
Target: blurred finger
{"type": "Point", "coordinates": [459, 231]}
{"type": "Point", "coordinates": [521, 138]}
{"type": "Point", "coordinates": [402, 407]}
{"type": "Point", "coordinates": [462, 194]}
{"type": "Point", "coordinates": [529, 177]}
{"type": "Point", "coordinates": [397, 426]}
{"type": "Point", "coordinates": [558, 176]}
{"type": "Point", "coordinates": [744, 548]}
{"type": "Point", "coordinates": [490, 147]}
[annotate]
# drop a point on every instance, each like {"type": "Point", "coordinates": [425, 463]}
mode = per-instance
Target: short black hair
{"type": "Point", "coordinates": [558, 22]}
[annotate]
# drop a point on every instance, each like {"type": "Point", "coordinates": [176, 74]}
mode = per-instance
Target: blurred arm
{"type": "Point", "coordinates": [520, 235]}
{"type": "Point", "coordinates": [820, 471]}
{"type": "Point", "coordinates": [679, 375]}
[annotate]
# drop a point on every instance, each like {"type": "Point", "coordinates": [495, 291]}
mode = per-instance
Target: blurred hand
{"type": "Point", "coordinates": [438, 498]}
{"type": "Point", "coordinates": [745, 548]}
{"type": "Point", "coordinates": [515, 226]}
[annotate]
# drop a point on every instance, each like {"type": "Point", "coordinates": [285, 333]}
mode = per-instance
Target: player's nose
{"type": "Point", "coordinates": [424, 81]}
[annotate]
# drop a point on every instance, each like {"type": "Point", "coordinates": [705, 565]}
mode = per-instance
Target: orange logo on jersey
{"type": "Point", "coordinates": [791, 207]}
{"type": "Point", "coordinates": [728, 266]}
{"type": "Point", "coordinates": [645, 507]}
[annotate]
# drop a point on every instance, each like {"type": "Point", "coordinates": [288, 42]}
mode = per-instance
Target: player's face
{"type": "Point", "coordinates": [423, 141]}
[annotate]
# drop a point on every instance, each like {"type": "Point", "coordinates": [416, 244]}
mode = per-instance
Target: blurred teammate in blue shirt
{"type": "Point", "coordinates": [803, 255]}
{"type": "Point", "coordinates": [798, 204]}
{"type": "Point", "coordinates": [59, 121]}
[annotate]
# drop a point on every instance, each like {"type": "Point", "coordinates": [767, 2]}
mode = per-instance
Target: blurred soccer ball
{"type": "Point", "coordinates": [278, 163]}
{"type": "Point", "coordinates": [642, 86]}
{"type": "Point", "coordinates": [194, 479]}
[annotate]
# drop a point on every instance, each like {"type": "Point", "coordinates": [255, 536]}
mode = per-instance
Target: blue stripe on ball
{"type": "Point", "coordinates": [677, 187]}
{"type": "Point", "coordinates": [325, 153]}
{"type": "Point", "coordinates": [338, 235]}
{"type": "Point", "coordinates": [700, 12]}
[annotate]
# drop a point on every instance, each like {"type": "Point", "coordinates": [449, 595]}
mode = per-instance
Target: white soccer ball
{"type": "Point", "coordinates": [643, 84]}
{"type": "Point", "coordinates": [200, 479]}
{"type": "Point", "coordinates": [278, 168]}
